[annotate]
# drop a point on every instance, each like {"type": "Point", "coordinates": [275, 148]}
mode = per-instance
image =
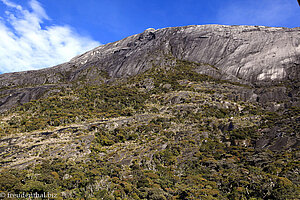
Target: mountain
{"type": "Point", "coordinates": [251, 55]}
{"type": "Point", "coordinates": [195, 112]}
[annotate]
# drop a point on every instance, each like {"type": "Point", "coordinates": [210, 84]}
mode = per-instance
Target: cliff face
{"type": "Point", "coordinates": [197, 112]}
{"type": "Point", "coordinates": [246, 54]}
{"type": "Point", "coordinates": [250, 53]}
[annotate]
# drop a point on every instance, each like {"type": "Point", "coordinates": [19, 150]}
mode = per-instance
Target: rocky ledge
{"type": "Point", "coordinates": [252, 55]}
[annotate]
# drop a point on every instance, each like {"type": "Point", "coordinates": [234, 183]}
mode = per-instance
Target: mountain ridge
{"type": "Point", "coordinates": [202, 31]}
{"type": "Point", "coordinates": [252, 55]}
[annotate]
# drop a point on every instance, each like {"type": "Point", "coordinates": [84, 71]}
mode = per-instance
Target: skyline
{"type": "Point", "coordinates": [38, 34]}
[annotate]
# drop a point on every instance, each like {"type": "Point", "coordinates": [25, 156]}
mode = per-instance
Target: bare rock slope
{"type": "Point", "coordinates": [246, 54]}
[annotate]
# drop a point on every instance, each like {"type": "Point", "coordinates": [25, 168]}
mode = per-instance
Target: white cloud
{"type": "Point", "coordinates": [263, 12]}
{"type": "Point", "coordinates": [11, 4]}
{"type": "Point", "coordinates": [26, 45]}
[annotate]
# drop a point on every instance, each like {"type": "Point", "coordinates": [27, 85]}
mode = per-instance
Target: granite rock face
{"type": "Point", "coordinates": [252, 55]}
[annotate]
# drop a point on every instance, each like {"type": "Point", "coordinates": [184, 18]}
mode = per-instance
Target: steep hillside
{"type": "Point", "coordinates": [197, 112]}
{"type": "Point", "coordinates": [252, 55]}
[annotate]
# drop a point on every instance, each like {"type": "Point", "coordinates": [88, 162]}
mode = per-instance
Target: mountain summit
{"type": "Point", "coordinates": [249, 53]}
{"type": "Point", "coordinates": [252, 55]}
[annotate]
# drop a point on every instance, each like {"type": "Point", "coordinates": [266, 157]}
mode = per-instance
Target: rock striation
{"type": "Point", "coordinates": [253, 55]}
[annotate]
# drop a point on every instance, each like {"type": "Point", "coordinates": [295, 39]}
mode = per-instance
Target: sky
{"type": "Point", "coordinates": [35, 34]}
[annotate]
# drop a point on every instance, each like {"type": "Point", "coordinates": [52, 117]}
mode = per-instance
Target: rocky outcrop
{"type": "Point", "coordinates": [250, 53]}
{"type": "Point", "coordinates": [253, 55]}
{"type": "Point", "coordinates": [11, 97]}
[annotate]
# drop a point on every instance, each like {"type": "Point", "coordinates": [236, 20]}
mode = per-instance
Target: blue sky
{"type": "Point", "coordinates": [41, 33]}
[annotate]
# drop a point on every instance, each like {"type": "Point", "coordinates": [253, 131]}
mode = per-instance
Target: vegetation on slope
{"type": "Point", "coordinates": [169, 133]}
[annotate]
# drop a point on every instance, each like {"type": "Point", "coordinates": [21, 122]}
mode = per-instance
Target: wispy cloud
{"type": "Point", "coordinates": [25, 44]}
{"type": "Point", "coordinates": [263, 12]}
